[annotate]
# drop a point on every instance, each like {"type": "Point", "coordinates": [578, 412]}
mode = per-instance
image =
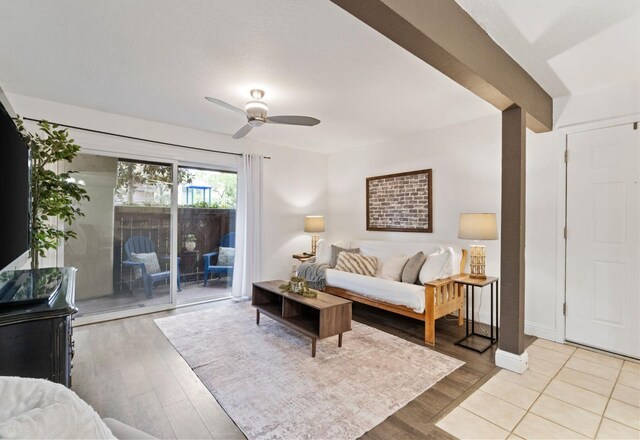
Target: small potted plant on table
{"type": "Point", "coordinates": [190, 242]}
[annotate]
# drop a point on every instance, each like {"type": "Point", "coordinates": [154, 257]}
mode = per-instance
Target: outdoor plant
{"type": "Point", "coordinates": [52, 194]}
{"type": "Point", "coordinates": [190, 242]}
{"type": "Point", "coordinates": [132, 175]}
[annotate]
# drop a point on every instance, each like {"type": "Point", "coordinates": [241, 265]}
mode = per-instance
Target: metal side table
{"type": "Point", "coordinates": [470, 339]}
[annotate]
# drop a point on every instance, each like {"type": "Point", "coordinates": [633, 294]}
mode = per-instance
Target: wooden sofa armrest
{"type": "Point", "coordinates": [441, 297]}
{"type": "Point", "coordinates": [442, 282]}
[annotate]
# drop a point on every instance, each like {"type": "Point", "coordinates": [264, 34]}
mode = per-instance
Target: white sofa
{"type": "Point", "coordinates": [427, 302]}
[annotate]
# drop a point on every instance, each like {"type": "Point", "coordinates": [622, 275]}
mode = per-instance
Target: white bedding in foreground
{"type": "Point", "coordinates": [38, 408]}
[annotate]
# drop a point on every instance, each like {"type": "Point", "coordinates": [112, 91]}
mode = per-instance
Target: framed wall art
{"type": "Point", "coordinates": [401, 202]}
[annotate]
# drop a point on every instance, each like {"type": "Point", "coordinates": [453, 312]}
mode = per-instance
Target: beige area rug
{"type": "Point", "coordinates": [267, 381]}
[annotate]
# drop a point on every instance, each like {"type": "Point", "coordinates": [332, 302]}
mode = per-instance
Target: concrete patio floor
{"type": "Point", "coordinates": [191, 292]}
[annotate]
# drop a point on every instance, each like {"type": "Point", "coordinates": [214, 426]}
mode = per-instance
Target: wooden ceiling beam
{"type": "Point", "coordinates": [443, 35]}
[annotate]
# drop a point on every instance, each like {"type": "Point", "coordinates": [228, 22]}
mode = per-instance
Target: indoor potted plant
{"type": "Point", "coordinates": [53, 195]}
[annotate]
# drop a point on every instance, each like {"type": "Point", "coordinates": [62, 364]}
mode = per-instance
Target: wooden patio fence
{"type": "Point", "coordinates": [208, 225]}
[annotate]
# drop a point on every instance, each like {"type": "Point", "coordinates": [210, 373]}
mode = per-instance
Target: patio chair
{"type": "Point", "coordinates": [143, 245]}
{"type": "Point", "coordinates": [211, 266]}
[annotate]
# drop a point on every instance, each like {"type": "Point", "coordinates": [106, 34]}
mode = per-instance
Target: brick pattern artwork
{"type": "Point", "coordinates": [399, 202]}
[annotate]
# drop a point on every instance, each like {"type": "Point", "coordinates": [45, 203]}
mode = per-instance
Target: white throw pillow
{"type": "Point", "coordinates": [447, 269]}
{"type": "Point", "coordinates": [432, 269]}
{"type": "Point", "coordinates": [323, 252]}
{"type": "Point", "coordinates": [392, 268]}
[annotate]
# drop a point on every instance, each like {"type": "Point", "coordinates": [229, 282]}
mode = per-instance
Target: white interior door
{"type": "Point", "coordinates": [603, 239]}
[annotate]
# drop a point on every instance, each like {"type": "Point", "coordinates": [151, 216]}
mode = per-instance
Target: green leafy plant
{"type": "Point", "coordinates": [52, 194]}
{"type": "Point", "coordinates": [132, 175]}
{"type": "Point", "coordinates": [191, 238]}
{"type": "Point", "coordinates": [205, 205]}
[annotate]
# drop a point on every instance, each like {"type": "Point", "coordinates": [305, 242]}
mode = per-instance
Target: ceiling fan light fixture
{"type": "Point", "coordinates": [256, 114]}
{"type": "Point", "coordinates": [257, 109]}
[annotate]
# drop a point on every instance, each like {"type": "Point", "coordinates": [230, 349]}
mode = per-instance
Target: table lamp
{"type": "Point", "coordinates": [314, 224]}
{"type": "Point", "coordinates": [477, 226]}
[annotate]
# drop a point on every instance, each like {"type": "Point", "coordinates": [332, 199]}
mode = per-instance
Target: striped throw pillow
{"type": "Point", "coordinates": [357, 263]}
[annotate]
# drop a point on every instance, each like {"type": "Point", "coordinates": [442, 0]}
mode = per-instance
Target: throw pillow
{"type": "Point", "coordinates": [323, 252]}
{"type": "Point", "coordinates": [392, 268]}
{"type": "Point", "coordinates": [151, 263]}
{"type": "Point", "coordinates": [448, 269]}
{"type": "Point", "coordinates": [432, 268]}
{"type": "Point", "coordinates": [335, 251]}
{"type": "Point", "coordinates": [226, 256]}
{"type": "Point", "coordinates": [356, 263]}
{"type": "Point", "coordinates": [412, 268]}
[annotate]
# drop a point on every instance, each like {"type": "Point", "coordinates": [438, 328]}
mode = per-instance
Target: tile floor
{"type": "Point", "coordinates": [567, 393]}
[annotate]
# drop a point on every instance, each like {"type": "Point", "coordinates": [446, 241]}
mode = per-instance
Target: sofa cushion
{"type": "Point", "coordinates": [382, 250]}
{"type": "Point", "coordinates": [449, 267]}
{"type": "Point", "coordinates": [411, 270]}
{"type": "Point", "coordinates": [392, 292]}
{"type": "Point", "coordinates": [323, 252]}
{"type": "Point", "coordinates": [335, 251]}
{"type": "Point", "coordinates": [437, 266]}
{"type": "Point", "coordinates": [392, 269]}
{"type": "Point", "coordinates": [356, 263]}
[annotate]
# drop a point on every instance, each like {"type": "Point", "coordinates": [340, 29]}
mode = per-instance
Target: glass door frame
{"type": "Point", "coordinates": [123, 153]}
{"type": "Point", "coordinates": [204, 167]}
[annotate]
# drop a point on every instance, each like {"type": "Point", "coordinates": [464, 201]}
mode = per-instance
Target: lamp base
{"type": "Point", "coordinates": [314, 244]}
{"type": "Point", "coordinates": [477, 261]}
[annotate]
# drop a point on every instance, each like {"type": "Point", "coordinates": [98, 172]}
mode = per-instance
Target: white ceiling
{"type": "Point", "coordinates": [567, 46]}
{"type": "Point", "coordinates": [157, 59]}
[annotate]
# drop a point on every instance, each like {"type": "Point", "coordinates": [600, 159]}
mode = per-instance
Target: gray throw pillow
{"type": "Point", "coordinates": [226, 256]}
{"type": "Point", "coordinates": [335, 250]}
{"type": "Point", "coordinates": [412, 268]}
{"type": "Point", "coordinates": [151, 264]}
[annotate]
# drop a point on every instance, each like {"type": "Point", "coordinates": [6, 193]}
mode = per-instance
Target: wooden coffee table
{"type": "Point", "coordinates": [318, 318]}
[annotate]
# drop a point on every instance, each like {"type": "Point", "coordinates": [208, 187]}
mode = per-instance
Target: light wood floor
{"type": "Point", "coordinates": [128, 370]}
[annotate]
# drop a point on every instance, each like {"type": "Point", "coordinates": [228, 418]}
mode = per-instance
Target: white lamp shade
{"type": "Point", "coordinates": [478, 226]}
{"type": "Point", "coordinates": [314, 223]}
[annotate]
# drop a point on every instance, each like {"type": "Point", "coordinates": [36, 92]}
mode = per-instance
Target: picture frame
{"type": "Point", "coordinates": [401, 202]}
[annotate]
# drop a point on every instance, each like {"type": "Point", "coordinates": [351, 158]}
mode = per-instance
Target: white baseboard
{"type": "Point", "coordinates": [530, 328]}
{"type": "Point", "coordinates": [513, 362]}
{"type": "Point", "coordinates": [541, 331]}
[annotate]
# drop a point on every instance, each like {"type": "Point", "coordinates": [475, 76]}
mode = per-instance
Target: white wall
{"type": "Point", "coordinates": [466, 163]}
{"type": "Point", "coordinates": [544, 242]}
{"type": "Point", "coordinates": [294, 180]}
{"type": "Point", "coordinates": [465, 177]}
{"type": "Point", "coordinates": [599, 105]}
{"type": "Point", "coordinates": [465, 159]}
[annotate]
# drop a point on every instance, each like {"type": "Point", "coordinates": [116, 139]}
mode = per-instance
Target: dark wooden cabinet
{"type": "Point", "coordinates": [37, 341]}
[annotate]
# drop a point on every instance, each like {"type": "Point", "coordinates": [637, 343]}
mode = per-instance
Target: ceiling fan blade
{"type": "Point", "coordinates": [293, 120]}
{"type": "Point", "coordinates": [226, 105]}
{"type": "Point", "coordinates": [242, 132]}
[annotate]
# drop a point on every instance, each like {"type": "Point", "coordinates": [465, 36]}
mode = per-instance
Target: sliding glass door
{"type": "Point", "coordinates": [123, 249]}
{"type": "Point", "coordinates": [153, 235]}
{"type": "Point", "coordinates": [206, 233]}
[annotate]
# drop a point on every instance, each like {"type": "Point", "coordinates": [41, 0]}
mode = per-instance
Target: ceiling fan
{"type": "Point", "coordinates": [256, 113]}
